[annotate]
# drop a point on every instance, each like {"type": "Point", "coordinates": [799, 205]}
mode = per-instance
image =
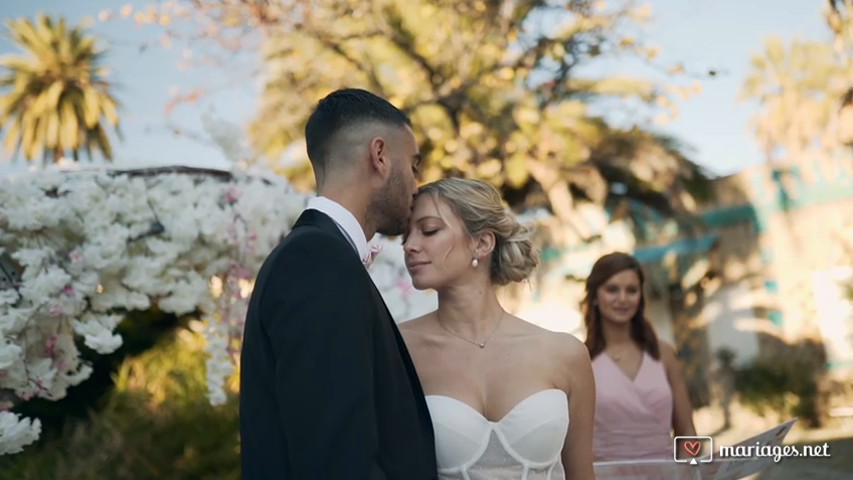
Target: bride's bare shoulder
{"type": "Point", "coordinates": [558, 343]}
{"type": "Point", "coordinates": [416, 333]}
{"type": "Point", "coordinates": [415, 325]}
{"type": "Point", "coordinates": [566, 342]}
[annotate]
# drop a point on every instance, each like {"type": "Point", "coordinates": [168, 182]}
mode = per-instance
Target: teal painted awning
{"type": "Point", "coordinates": [687, 246]}
{"type": "Point", "coordinates": [687, 249]}
{"type": "Point", "coordinates": [733, 215]}
{"type": "Point", "coordinates": [682, 262]}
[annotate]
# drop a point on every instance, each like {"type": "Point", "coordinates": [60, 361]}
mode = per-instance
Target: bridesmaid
{"type": "Point", "coordinates": [641, 396]}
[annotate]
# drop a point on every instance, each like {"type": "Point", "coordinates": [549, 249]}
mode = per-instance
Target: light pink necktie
{"type": "Point", "coordinates": [371, 256]}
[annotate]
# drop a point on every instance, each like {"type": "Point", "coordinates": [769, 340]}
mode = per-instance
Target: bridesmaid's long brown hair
{"type": "Point", "coordinates": [641, 330]}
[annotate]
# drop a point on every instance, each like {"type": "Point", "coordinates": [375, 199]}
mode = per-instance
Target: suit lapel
{"type": "Point", "coordinates": [414, 381]}
{"type": "Point", "coordinates": [321, 220]}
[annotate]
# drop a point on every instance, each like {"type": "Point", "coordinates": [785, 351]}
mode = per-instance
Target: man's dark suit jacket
{"type": "Point", "coordinates": [328, 390]}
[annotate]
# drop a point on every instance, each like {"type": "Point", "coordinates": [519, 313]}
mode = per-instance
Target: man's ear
{"type": "Point", "coordinates": [380, 161]}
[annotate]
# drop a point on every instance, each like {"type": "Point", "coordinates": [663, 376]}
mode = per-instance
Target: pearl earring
{"type": "Point", "coordinates": [475, 262]}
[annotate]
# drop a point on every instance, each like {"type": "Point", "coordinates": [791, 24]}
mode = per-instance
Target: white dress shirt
{"type": "Point", "coordinates": [346, 222]}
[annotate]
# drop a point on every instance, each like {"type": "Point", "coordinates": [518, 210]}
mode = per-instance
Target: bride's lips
{"type": "Point", "coordinates": [415, 264]}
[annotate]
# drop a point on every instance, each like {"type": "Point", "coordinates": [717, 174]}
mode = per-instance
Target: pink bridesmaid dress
{"type": "Point", "coordinates": [633, 418]}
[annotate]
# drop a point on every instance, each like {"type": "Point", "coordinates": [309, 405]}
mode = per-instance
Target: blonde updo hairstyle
{"type": "Point", "coordinates": [479, 206]}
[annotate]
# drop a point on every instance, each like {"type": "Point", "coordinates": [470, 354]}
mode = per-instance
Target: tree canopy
{"type": "Point", "coordinates": [498, 90]}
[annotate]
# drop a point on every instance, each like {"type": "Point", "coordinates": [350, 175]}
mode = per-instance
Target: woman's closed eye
{"type": "Point", "coordinates": [426, 233]}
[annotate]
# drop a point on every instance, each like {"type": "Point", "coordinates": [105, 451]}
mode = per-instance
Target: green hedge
{"type": "Point", "coordinates": [155, 423]}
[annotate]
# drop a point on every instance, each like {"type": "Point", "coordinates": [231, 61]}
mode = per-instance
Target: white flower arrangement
{"type": "Point", "coordinates": [88, 246]}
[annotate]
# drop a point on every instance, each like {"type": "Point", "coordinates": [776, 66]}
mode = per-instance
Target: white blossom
{"type": "Point", "coordinates": [32, 257]}
{"type": "Point", "coordinates": [9, 297]}
{"type": "Point", "coordinates": [219, 365]}
{"type": "Point", "coordinates": [94, 243]}
{"type": "Point", "coordinates": [17, 432]}
{"type": "Point", "coordinates": [97, 332]}
{"type": "Point", "coordinates": [9, 355]}
{"type": "Point", "coordinates": [75, 377]}
{"type": "Point", "coordinates": [47, 283]}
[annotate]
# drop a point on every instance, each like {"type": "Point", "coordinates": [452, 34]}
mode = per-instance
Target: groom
{"type": "Point", "coordinates": [328, 390]}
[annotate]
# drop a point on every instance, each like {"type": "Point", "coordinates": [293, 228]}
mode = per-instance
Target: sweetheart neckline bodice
{"type": "Point", "coordinates": [507, 414]}
{"type": "Point", "coordinates": [528, 440]}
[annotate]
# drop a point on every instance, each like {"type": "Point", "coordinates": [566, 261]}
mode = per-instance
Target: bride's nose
{"type": "Point", "coordinates": [410, 246]}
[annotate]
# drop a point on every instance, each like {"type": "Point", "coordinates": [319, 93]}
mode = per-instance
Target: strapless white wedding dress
{"type": "Point", "coordinates": [526, 444]}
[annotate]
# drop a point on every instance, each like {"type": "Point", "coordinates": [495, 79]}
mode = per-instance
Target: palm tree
{"type": "Point", "coordinates": [838, 15]}
{"type": "Point", "coordinates": [794, 86]}
{"type": "Point", "coordinates": [54, 96]}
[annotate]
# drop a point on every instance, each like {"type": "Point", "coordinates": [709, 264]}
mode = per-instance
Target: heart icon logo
{"type": "Point", "coordinates": [693, 448]}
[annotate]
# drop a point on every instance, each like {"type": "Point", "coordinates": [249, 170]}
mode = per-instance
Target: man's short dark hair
{"type": "Point", "coordinates": [341, 109]}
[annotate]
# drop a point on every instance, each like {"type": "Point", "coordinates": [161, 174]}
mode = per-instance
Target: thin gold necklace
{"type": "Point", "coordinates": [472, 342]}
{"type": "Point", "coordinates": [620, 354]}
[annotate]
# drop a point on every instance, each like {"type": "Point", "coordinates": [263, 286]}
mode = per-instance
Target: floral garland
{"type": "Point", "coordinates": [82, 248]}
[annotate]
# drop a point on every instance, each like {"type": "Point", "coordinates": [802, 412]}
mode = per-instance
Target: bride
{"type": "Point", "coordinates": [508, 400]}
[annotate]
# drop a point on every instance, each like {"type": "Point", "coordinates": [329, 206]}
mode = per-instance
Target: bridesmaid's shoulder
{"type": "Point", "coordinates": [668, 354]}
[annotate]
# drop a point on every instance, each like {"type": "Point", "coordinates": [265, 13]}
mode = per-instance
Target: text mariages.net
{"type": "Point", "coordinates": [775, 451]}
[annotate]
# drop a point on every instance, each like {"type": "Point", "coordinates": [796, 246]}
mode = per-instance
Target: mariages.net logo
{"type": "Point", "coordinates": [693, 450]}
{"type": "Point", "coordinates": [697, 450]}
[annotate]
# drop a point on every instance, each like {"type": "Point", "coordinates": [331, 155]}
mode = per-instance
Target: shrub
{"type": "Point", "coordinates": [786, 384]}
{"type": "Point", "coordinates": [156, 423]}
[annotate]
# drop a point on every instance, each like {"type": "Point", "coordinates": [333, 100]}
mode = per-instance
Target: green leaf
{"type": "Point", "coordinates": [91, 107]}
{"type": "Point", "coordinates": [108, 106]}
{"type": "Point", "coordinates": [52, 130]}
{"type": "Point", "coordinates": [69, 128]}
{"type": "Point", "coordinates": [13, 138]}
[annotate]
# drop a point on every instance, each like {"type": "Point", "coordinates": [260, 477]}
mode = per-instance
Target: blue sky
{"type": "Point", "coordinates": [724, 34]}
{"type": "Point", "coordinates": [718, 34]}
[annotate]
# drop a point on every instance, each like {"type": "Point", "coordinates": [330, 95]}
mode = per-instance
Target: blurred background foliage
{"type": "Point", "coordinates": [496, 90]}
{"type": "Point", "coordinates": [144, 415]}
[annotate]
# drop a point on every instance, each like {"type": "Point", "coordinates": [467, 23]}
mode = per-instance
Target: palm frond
{"type": "Point", "coordinates": [55, 99]}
